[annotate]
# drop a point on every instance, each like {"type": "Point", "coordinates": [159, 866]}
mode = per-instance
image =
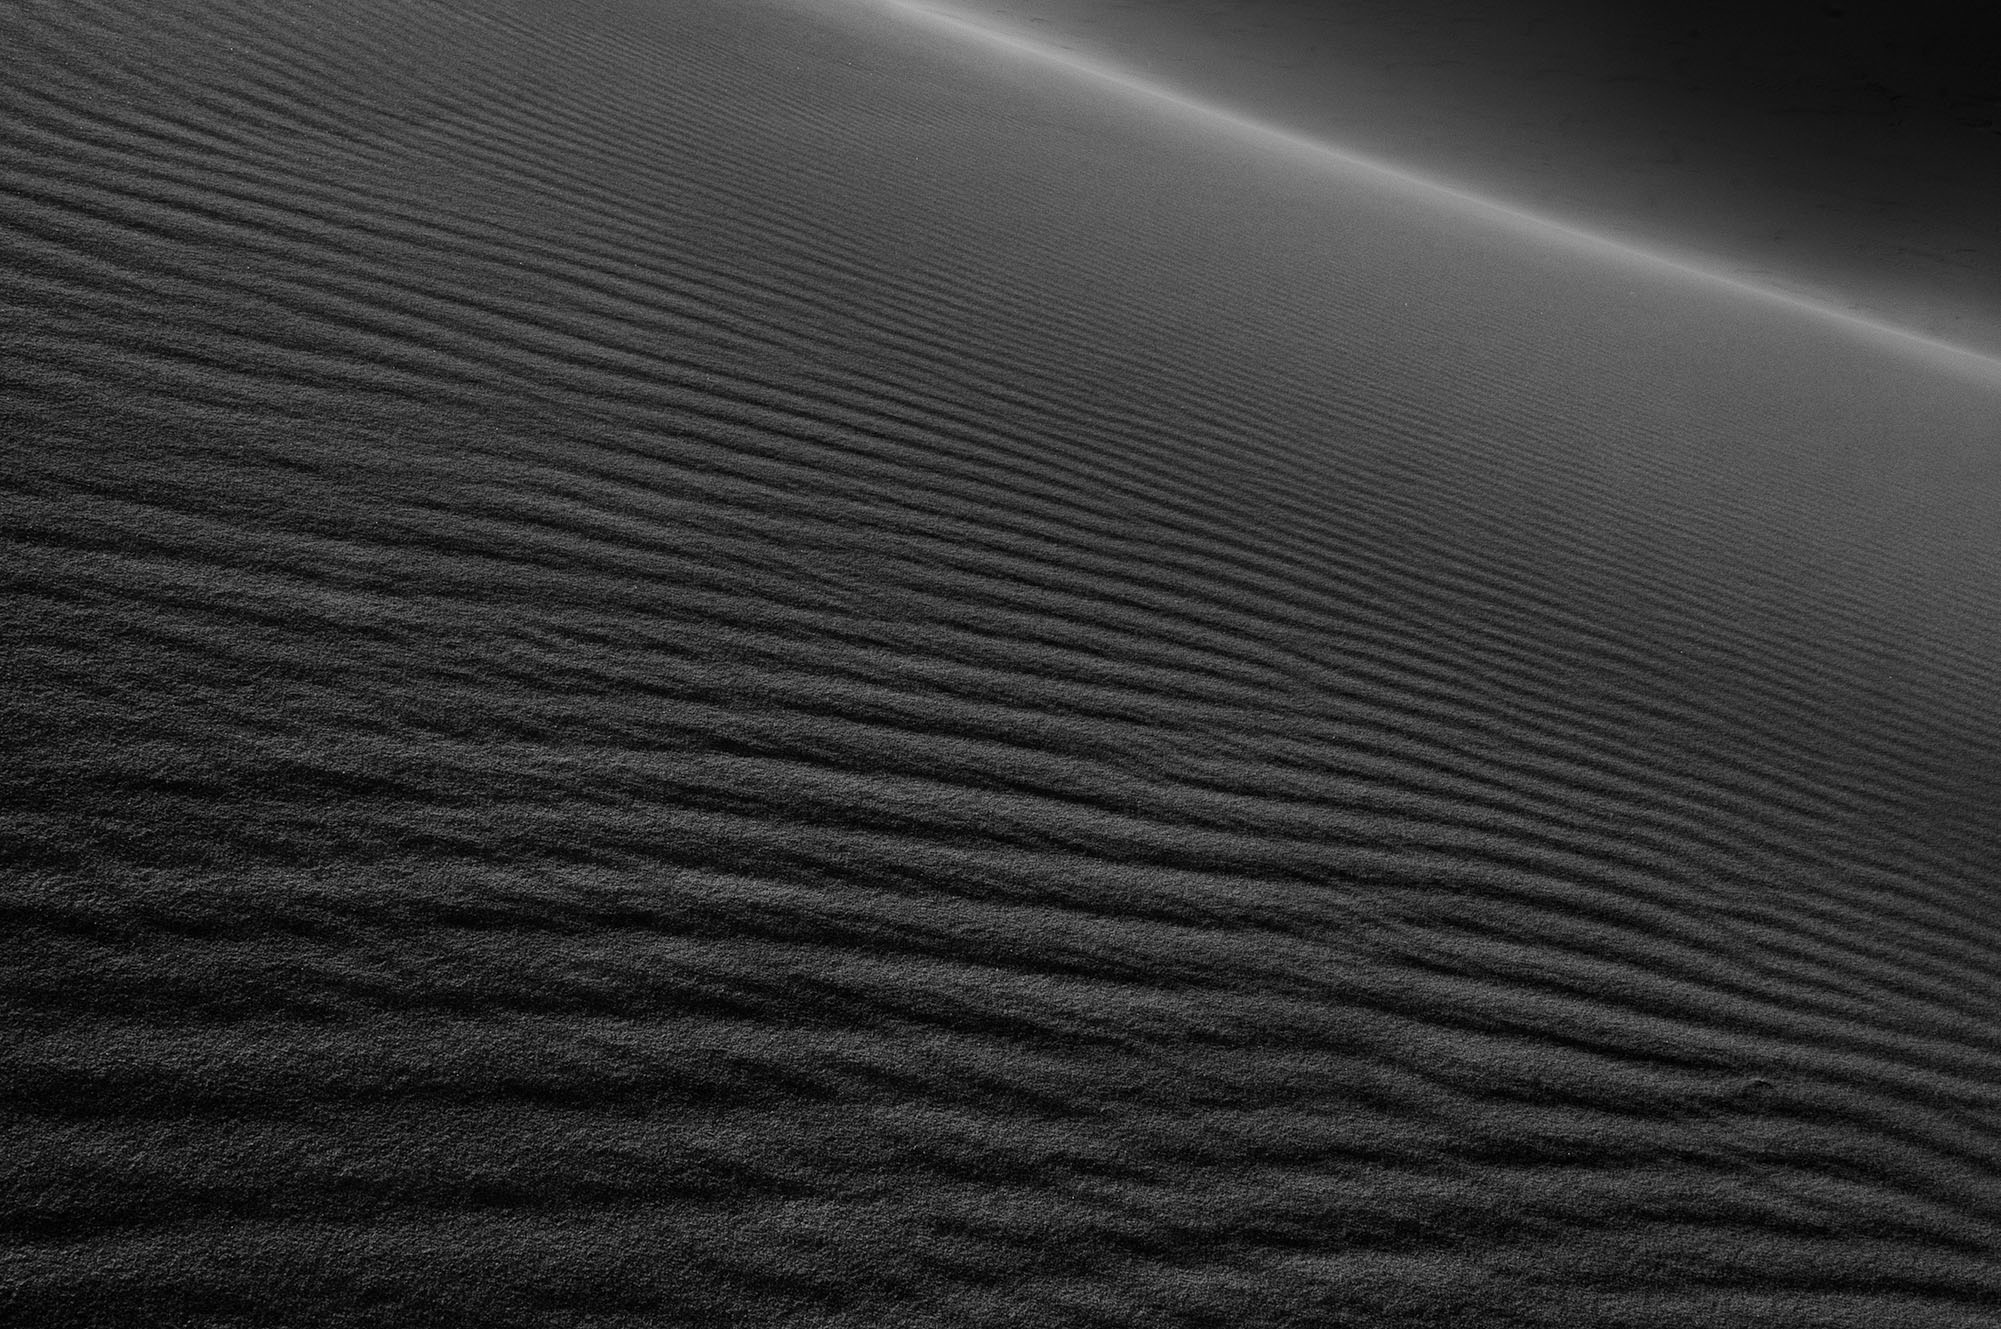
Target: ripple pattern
{"type": "Point", "coordinates": [680, 662]}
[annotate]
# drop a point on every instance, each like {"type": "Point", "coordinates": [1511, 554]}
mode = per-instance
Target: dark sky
{"type": "Point", "coordinates": [1850, 151]}
{"type": "Point", "coordinates": [1761, 57]}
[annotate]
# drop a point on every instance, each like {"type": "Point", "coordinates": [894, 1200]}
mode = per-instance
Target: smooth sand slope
{"type": "Point", "coordinates": [743, 663]}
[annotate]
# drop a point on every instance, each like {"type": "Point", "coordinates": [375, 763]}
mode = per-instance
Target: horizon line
{"type": "Point", "coordinates": [1101, 71]}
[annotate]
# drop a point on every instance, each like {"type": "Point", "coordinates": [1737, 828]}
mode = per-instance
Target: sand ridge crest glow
{"type": "Point", "coordinates": [1545, 230]}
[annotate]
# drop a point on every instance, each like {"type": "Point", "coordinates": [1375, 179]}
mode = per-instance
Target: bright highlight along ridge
{"type": "Point", "coordinates": [1544, 228]}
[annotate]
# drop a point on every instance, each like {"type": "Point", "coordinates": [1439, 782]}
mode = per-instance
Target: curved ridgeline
{"type": "Point", "coordinates": [702, 663]}
{"type": "Point", "coordinates": [1844, 150]}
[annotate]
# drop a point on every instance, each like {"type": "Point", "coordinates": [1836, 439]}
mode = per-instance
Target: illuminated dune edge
{"type": "Point", "coordinates": [1841, 153]}
{"type": "Point", "coordinates": [746, 663]}
{"type": "Point", "coordinates": [1431, 191]}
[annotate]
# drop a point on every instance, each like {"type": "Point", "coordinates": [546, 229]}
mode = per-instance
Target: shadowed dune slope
{"type": "Point", "coordinates": [736, 663]}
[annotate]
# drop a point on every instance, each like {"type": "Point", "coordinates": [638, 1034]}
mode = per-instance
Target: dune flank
{"type": "Point", "coordinates": [748, 663]}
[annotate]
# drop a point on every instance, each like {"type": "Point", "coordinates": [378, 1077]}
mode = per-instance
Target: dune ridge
{"type": "Point", "coordinates": [1755, 139]}
{"type": "Point", "coordinates": [1968, 359]}
{"type": "Point", "coordinates": [736, 663]}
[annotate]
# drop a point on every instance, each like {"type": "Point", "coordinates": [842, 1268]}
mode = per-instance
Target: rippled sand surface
{"type": "Point", "coordinates": [744, 663]}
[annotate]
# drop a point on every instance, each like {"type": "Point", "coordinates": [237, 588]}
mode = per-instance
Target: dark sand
{"type": "Point", "coordinates": [730, 663]}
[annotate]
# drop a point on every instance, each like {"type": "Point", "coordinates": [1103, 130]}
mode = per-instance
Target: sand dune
{"type": "Point", "coordinates": [749, 663]}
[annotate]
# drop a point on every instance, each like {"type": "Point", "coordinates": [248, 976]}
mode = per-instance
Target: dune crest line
{"type": "Point", "coordinates": [1547, 229]}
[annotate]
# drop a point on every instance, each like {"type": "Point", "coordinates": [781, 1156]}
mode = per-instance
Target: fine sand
{"type": "Point", "coordinates": [733, 662]}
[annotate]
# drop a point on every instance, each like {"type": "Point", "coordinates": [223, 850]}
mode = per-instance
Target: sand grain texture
{"type": "Point", "coordinates": [742, 664]}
